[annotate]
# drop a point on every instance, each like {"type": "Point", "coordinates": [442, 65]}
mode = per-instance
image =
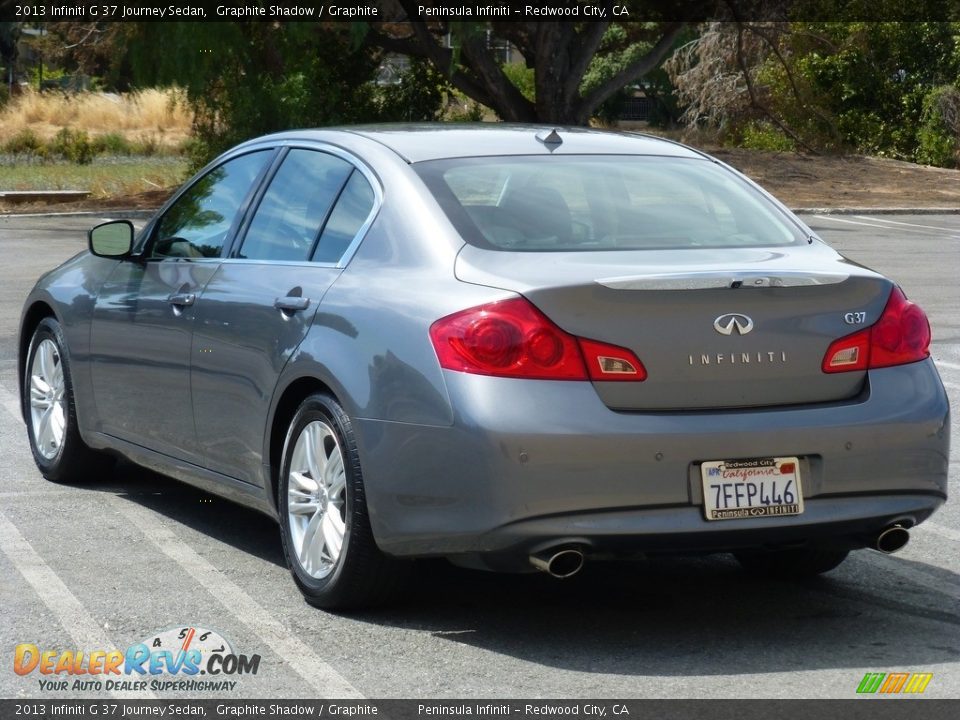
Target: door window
{"type": "Point", "coordinates": [198, 223]}
{"type": "Point", "coordinates": [295, 206]}
{"type": "Point", "coordinates": [351, 212]}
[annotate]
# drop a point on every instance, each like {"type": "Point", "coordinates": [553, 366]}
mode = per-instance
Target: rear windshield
{"type": "Point", "coordinates": [611, 202]}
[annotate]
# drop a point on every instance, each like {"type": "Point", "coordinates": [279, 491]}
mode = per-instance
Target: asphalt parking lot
{"type": "Point", "coordinates": [107, 565]}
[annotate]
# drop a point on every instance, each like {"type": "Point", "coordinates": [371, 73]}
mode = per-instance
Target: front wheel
{"type": "Point", "coordinates": [324, 522]}
{"type": "Point", "coordinates": [791, 563]}
{"type": "Point", "coordinates": [58, 450]}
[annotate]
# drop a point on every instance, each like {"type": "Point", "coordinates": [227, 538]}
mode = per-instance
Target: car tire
{"type": "Point", "coordinates": [791, 563]}
{"type": "Point", "coordinates": [51, 411]}
{"type": "Point", "coordinates": [325, 526]}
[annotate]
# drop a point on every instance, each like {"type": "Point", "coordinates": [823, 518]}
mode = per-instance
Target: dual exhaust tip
{"type": "Point", "coordinates": [565, 562]}
{"type": "Point", "coordinates": [891, 539]}
{"type": "Point", "coordinates": [562, 562]}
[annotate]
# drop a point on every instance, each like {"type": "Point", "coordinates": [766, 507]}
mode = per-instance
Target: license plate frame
{"type": "Point", "coordinates": [751, 488]}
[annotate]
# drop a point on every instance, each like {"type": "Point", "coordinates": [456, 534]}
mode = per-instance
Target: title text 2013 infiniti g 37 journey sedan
{"type": "Point", "coordinates": [514, 347]}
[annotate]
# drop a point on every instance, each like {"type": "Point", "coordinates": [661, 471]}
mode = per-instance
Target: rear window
{"type": "Point", "coordinates": [611, 202]}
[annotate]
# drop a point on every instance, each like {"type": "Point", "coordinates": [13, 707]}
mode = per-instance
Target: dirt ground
{"type": "Point", "coordinates": [800, 181]}
{"type": "Point", "coordinates": [810, 181]}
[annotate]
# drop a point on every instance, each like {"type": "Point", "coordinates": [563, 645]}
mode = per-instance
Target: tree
{"type": "Point", "coordinates": [9, 35]}
{"type": "Point", "coordinates": [250, 78]}
{"type": "Point", "coordinates": [864, 86]}
{"type": "Point", "coordinates": [561, 53]}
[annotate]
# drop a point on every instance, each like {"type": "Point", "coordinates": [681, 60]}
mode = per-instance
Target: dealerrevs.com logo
{"type": "Point", "coordinates": [894, 683]}
{"type": "Point", "coordinates": [171, 659]}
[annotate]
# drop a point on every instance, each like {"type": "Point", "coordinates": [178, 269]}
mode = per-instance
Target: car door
{"type": "Point", "coordinates": [258, 305]}
{"type": "Point", "coordinates": [143, 318]}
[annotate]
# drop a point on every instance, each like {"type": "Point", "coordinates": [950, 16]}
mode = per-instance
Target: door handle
{"type": "Point", "coordinates": [291, 304]}
{"type": "Point", "coordinates": [182, 299]}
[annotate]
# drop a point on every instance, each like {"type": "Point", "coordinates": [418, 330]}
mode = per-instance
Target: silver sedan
{"type": "Point", "coordinates": [515, 347]}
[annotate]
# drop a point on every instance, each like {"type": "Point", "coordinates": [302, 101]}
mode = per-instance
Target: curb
{"type": "Point", "coordinates": [877, 211]}
{"type": "Point", "coordinates": [112, 214]}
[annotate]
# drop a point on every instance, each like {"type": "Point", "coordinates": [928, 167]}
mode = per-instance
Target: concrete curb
{"type": "Point", "coordinates": [112, 214]}
{"type": "Point", "coordinates": [877, 211]}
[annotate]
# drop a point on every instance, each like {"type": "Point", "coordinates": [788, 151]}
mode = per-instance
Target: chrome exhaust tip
{"type": "Point", "coordinates": [892, 539]}
{"type": "Point", "coordinates": [563, 563]}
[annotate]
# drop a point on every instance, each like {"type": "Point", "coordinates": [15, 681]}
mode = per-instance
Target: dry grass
{"type": "Point", "coordinates": [160, 116]}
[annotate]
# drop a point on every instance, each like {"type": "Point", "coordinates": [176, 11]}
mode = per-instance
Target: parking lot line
{"type": "Point", "coordinates": [297, 655]}
{"type": "Point", "coordinates": [896, 222]}
{"type": "Point", "coordinates": [70, 612]}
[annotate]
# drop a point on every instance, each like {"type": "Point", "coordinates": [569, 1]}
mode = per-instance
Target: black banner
{"type": "Point", "coordinates": [485, 11]}
{"type": "Point", "coordinates": [873, 708]}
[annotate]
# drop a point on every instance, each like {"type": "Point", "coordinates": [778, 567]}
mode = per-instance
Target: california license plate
{"type": "Point", "coordinates": [753, 488]}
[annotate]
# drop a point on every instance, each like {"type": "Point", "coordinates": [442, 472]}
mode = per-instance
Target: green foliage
{"type": "Point", "coordinates": [73, 146]}
{"type": "Point", "coordinates": [878, 80]}
{"type": "Point", "coordinates": [939, 133]}
{"type": "Point", "coordinates": [248, 79]}
{"type": "Point", "coordinates": [77, 147]}
{"type": "Point", "coordinates": [4, 95]}
{"type": "Point", "coordinates": [418, 96]}
{"type": "Point", "coordinates": [836, 86]}
{"type": "Point", "coordinates": [758, 135]}
{"type": "Point", "coordinates": [24, 142]}
{"type": "Point", "coordinates": [523, 77]}
{"type": "Point", "coordinates": [111, 144]}
{"type": "Point", "coordinates": [460, 108]}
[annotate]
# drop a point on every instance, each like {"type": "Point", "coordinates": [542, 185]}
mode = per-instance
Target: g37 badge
{"type": "Point", "coordinates": [855, 318]}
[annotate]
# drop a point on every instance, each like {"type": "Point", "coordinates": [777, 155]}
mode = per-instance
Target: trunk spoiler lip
{"type": "Point", "coordinates": [707, 280]}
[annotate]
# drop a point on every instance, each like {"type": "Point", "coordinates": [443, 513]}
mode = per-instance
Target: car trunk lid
{"type": "Point", "coordinates": [730, 328]}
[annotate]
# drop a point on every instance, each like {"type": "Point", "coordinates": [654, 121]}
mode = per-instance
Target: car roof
{"type": "Point", "coordinates": [436, 141]}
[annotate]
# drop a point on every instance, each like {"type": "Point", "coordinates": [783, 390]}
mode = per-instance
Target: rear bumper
{"type": "Point", "coordinates": [531, 463]}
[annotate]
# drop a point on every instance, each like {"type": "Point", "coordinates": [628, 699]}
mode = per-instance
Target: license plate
{"type": "Point", "coordinates": [753, 488]}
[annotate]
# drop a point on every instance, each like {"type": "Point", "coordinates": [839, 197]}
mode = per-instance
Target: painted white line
{"type": "Point", "coordinates": [10, 403]}
{"type": "Point", "coordinates": [326, 681]}
{"type": "Point", "coordinates": [944, 363]}
{"type": "Point", "coordinates": [70, 612]}
{"type": "Point", "coordinates": [941, 530]}
{"type": "Point", "coordinates": [895, 222]}
{"type": "Point", "coordinates": [851, 222]}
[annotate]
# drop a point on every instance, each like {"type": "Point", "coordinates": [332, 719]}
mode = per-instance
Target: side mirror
{"type": "Point", "coordinates": [112, 239]}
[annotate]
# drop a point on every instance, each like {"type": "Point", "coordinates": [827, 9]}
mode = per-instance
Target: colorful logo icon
{"type": "Point", "coordinates": [894, 683]}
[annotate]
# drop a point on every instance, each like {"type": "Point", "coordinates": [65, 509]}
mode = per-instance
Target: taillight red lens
{"type": "Point", "coordinates": [512, 338]}
{"type": "Point", "coordinates": [900, 336]}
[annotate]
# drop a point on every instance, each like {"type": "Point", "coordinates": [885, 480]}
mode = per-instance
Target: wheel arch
{"type": "Point", "coordinates": [32, 316]}
{"type": "Point", "coordinates": [284, 409]}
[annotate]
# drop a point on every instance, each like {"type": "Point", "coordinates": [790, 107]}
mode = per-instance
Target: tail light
{"type": "Point", "coordinates": [512, 338]}
{"type": "Point", "coordinates": [900, 336]}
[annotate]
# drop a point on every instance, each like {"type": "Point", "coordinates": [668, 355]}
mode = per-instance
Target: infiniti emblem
{"type": "Point", "coordinates": [725, 324]}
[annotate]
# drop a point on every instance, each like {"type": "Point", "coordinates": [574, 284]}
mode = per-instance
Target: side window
{"type": "Point", "coordinates": [196, 225]}
{"type": "Point", "coordinates": [350, 213]}
{"type": "Point", "coordinates": [295, 205]}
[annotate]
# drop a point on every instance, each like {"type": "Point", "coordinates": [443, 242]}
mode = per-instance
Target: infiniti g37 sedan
{"type": "Point", "coordinates": [513, 347]}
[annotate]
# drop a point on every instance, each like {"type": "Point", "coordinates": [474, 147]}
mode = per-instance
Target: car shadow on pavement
{"type": "Point", "coordinates": [671, 616]}
{"type": "Point", "coordinates": [245, 529]}
{"type": "Point", "coordinates": [692, 616]}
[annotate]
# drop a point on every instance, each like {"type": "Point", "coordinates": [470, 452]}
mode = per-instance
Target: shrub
{"type": "Point", "coordinates": [939, 133]}
{"type": "Point", "coordinates": [758, 135]}
{"type": "Point", "coordinates": [111, 144]}
{"type": "Point", "coordinates": [523, 77]}
{"type": "Point", "coordinates": [24, 142]}
{"type": "Point", "coordinates": [73, 146]}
